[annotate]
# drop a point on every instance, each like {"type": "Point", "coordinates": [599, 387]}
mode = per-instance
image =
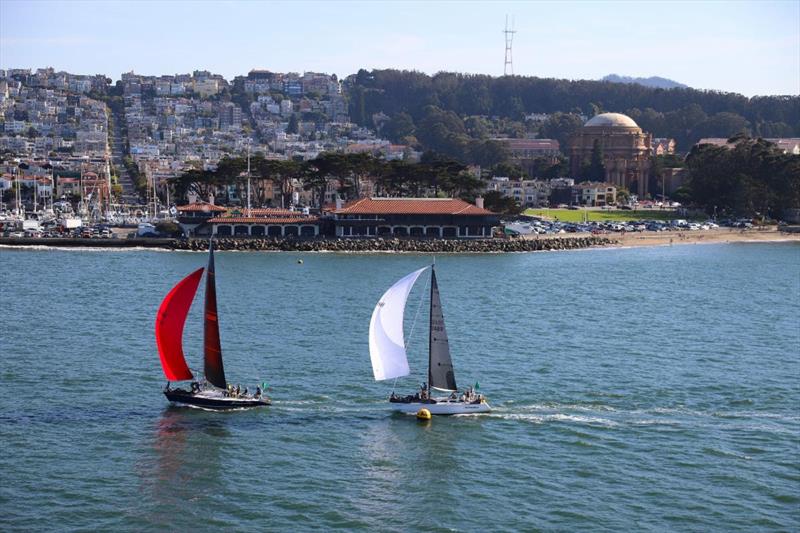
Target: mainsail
{"type": "Point", "coordinates": [387, 348]}
{"type": "Point", "coordinates": [440, 365]}
{"type": "Point", "coordinates": [169, 326]}
{"type": "Point", "coordinates": [212, 349]}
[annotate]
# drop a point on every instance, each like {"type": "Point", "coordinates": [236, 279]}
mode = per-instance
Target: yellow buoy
{"type": "Point", "coordinates": [423, 414]}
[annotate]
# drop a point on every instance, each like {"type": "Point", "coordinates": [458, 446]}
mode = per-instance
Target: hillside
{"type": "Point", "coordinates": [479, 107]}
{"type": "Point", "coordinates": [655, 82]}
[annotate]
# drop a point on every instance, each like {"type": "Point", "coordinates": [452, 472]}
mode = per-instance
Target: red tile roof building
{"type": "Point", "coordinates": [266, 226]}
{"type": "Point", "coordinates": [418, 217]}
{"type": "Point", "coordinates": [201, 207]}
{"type": "Point", "coordinates": [203, 219]}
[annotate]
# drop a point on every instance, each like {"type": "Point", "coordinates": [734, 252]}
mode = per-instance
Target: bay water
{"type": "Point", "coordinates": [633, 389]}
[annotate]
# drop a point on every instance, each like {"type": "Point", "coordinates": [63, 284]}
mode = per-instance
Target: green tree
{"type": "Point", "coordinates": [400, 127]}
{"type": "Point", "coordinates": [623, 195]}
{"type": "Point", "coordinates": [749, 176]}
{"type": "Point", "coordinates": [596, 170]}
{"type": "Point", "coordinates": [505, 205]}
{"type": "Point", "coordinates": [281, 172]}
{"type": "Point", "coordinates": [561, 126]}
{"type": "Point", "coordinates": [293, 126]}
{"type": "Point", "coordinates": [508, 170]}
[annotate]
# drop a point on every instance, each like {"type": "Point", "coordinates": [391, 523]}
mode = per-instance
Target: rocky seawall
{"type": "Point", "coordinates": [329, 245]}
{"type": "Point", "coordinates": [399, 245]}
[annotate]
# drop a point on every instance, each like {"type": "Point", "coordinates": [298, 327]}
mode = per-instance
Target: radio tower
{"type": "Point", "coordinates": [508, 66]}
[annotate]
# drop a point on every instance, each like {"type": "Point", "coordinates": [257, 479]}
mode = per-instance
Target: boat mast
{"type": "Point", "coordinates": [248, 180]}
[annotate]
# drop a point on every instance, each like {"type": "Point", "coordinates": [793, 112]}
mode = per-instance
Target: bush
{"type": "Point", "coordinates": [169, 229]}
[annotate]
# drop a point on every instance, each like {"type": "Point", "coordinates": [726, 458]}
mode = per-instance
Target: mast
{"type": "Point", "coordinates": [212, 357]}
{"type": "Point", "coordinates": [248, 180]}
{"type": "Point", "coordinates": [17, 192]}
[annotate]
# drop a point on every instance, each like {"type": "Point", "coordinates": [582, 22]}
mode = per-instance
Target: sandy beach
{"type": "Point", "coordinates": [720, 235]}
{"type": "Point", "coordinates": [665, 238]}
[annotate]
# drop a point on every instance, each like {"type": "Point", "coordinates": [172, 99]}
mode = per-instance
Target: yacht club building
{"type": "Point", "coordinates": [414, 217]}
{"type": "Point", "coordinates": [202, 219]}
{"type": "Point", "coordinates": [265, 223]}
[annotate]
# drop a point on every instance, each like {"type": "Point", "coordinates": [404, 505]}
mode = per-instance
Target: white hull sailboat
{"type": "Point", "coordinates": [387, 350]}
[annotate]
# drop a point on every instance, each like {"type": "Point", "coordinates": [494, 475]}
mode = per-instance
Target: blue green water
{"type": "Point", "coordinates": [641, 389]}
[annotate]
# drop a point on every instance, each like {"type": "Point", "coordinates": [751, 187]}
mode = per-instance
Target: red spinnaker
{"type": "Point", "coordinates": [169, 326]}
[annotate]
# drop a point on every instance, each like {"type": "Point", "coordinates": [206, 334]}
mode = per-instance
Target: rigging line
{"type": "Point", "coordinates": [416, 315]}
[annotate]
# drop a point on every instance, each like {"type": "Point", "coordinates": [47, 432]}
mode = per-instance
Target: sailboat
{"type": "Point", "coordinates": [213, 391]}
{"type": "Point", "coordinates": [387, 350]}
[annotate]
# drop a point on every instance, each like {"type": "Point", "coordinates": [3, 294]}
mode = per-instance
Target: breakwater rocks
{"type": "Point", "coordinates": [69, 242]}
{"type": "Point", "coordinates": [397, 245]}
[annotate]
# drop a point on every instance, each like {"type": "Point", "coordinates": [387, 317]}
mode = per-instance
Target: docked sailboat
{"type": "Point", "coordinates": [212, 391]}
{"type": "Point", "coordinates": [387, 350]}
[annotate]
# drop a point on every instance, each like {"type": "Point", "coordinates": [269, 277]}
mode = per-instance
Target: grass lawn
{"type": "Point", "coordinates": [615, 215]}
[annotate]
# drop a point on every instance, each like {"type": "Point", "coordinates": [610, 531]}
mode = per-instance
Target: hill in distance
{"type": "Point", "coordinates": [653, 81]}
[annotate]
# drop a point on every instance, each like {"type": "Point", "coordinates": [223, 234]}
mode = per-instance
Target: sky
{"type": "Point", "coordinates": [752, 48]}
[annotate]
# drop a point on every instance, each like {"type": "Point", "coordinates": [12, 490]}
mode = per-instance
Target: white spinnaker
{"type": "Point", "coordinates": [387, 347]}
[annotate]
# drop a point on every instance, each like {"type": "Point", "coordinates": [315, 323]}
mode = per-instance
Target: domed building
{"type": "Point", "coordinates": [626, 150]}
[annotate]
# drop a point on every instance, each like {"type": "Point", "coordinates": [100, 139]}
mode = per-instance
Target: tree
{"type": "Point", "coordinates": [315, 179]}
{"type": "Point", "coordinates": [596, 169]}
{"type": "Point", "coordinates": [507, 170]}
{"type": "Point", "coordinates": [623, 195]}
{"type": "Point", "coordinates": [748, 176]}
{"type": "Point", "coordinates": [281, 172]}
{"type": "Point", "coordinates": [561, 126]}
{"type": "Point", "coordinates": [505, 205]}
{"type": "Point", "coordinates": [293, 126]}
{"type": "Point", "coordinates": [400, 127]}
{"type": "Point", "coordinates": [195, 181]}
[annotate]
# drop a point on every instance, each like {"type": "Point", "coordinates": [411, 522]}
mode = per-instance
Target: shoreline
{"type": "Point", "coordinates": [711, 236]}
{"type": "Point", "coordinates": [524, 244]}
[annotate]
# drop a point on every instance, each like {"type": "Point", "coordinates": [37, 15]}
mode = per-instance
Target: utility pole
{"type": "Point", "coordinates": [508, 65]}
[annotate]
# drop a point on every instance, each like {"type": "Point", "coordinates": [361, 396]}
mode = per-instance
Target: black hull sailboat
{"type": "Point", "coordinates": [212, 392]}
{"type": "Point", "coordinates": [207, 401]}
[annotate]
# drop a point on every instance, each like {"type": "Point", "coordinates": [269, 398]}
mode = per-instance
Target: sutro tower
{"type": "Point", "coordinates": [508, 66]}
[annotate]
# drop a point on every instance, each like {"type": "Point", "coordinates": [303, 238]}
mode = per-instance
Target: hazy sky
{"type": "Point", "coordinates": [747, 47]}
